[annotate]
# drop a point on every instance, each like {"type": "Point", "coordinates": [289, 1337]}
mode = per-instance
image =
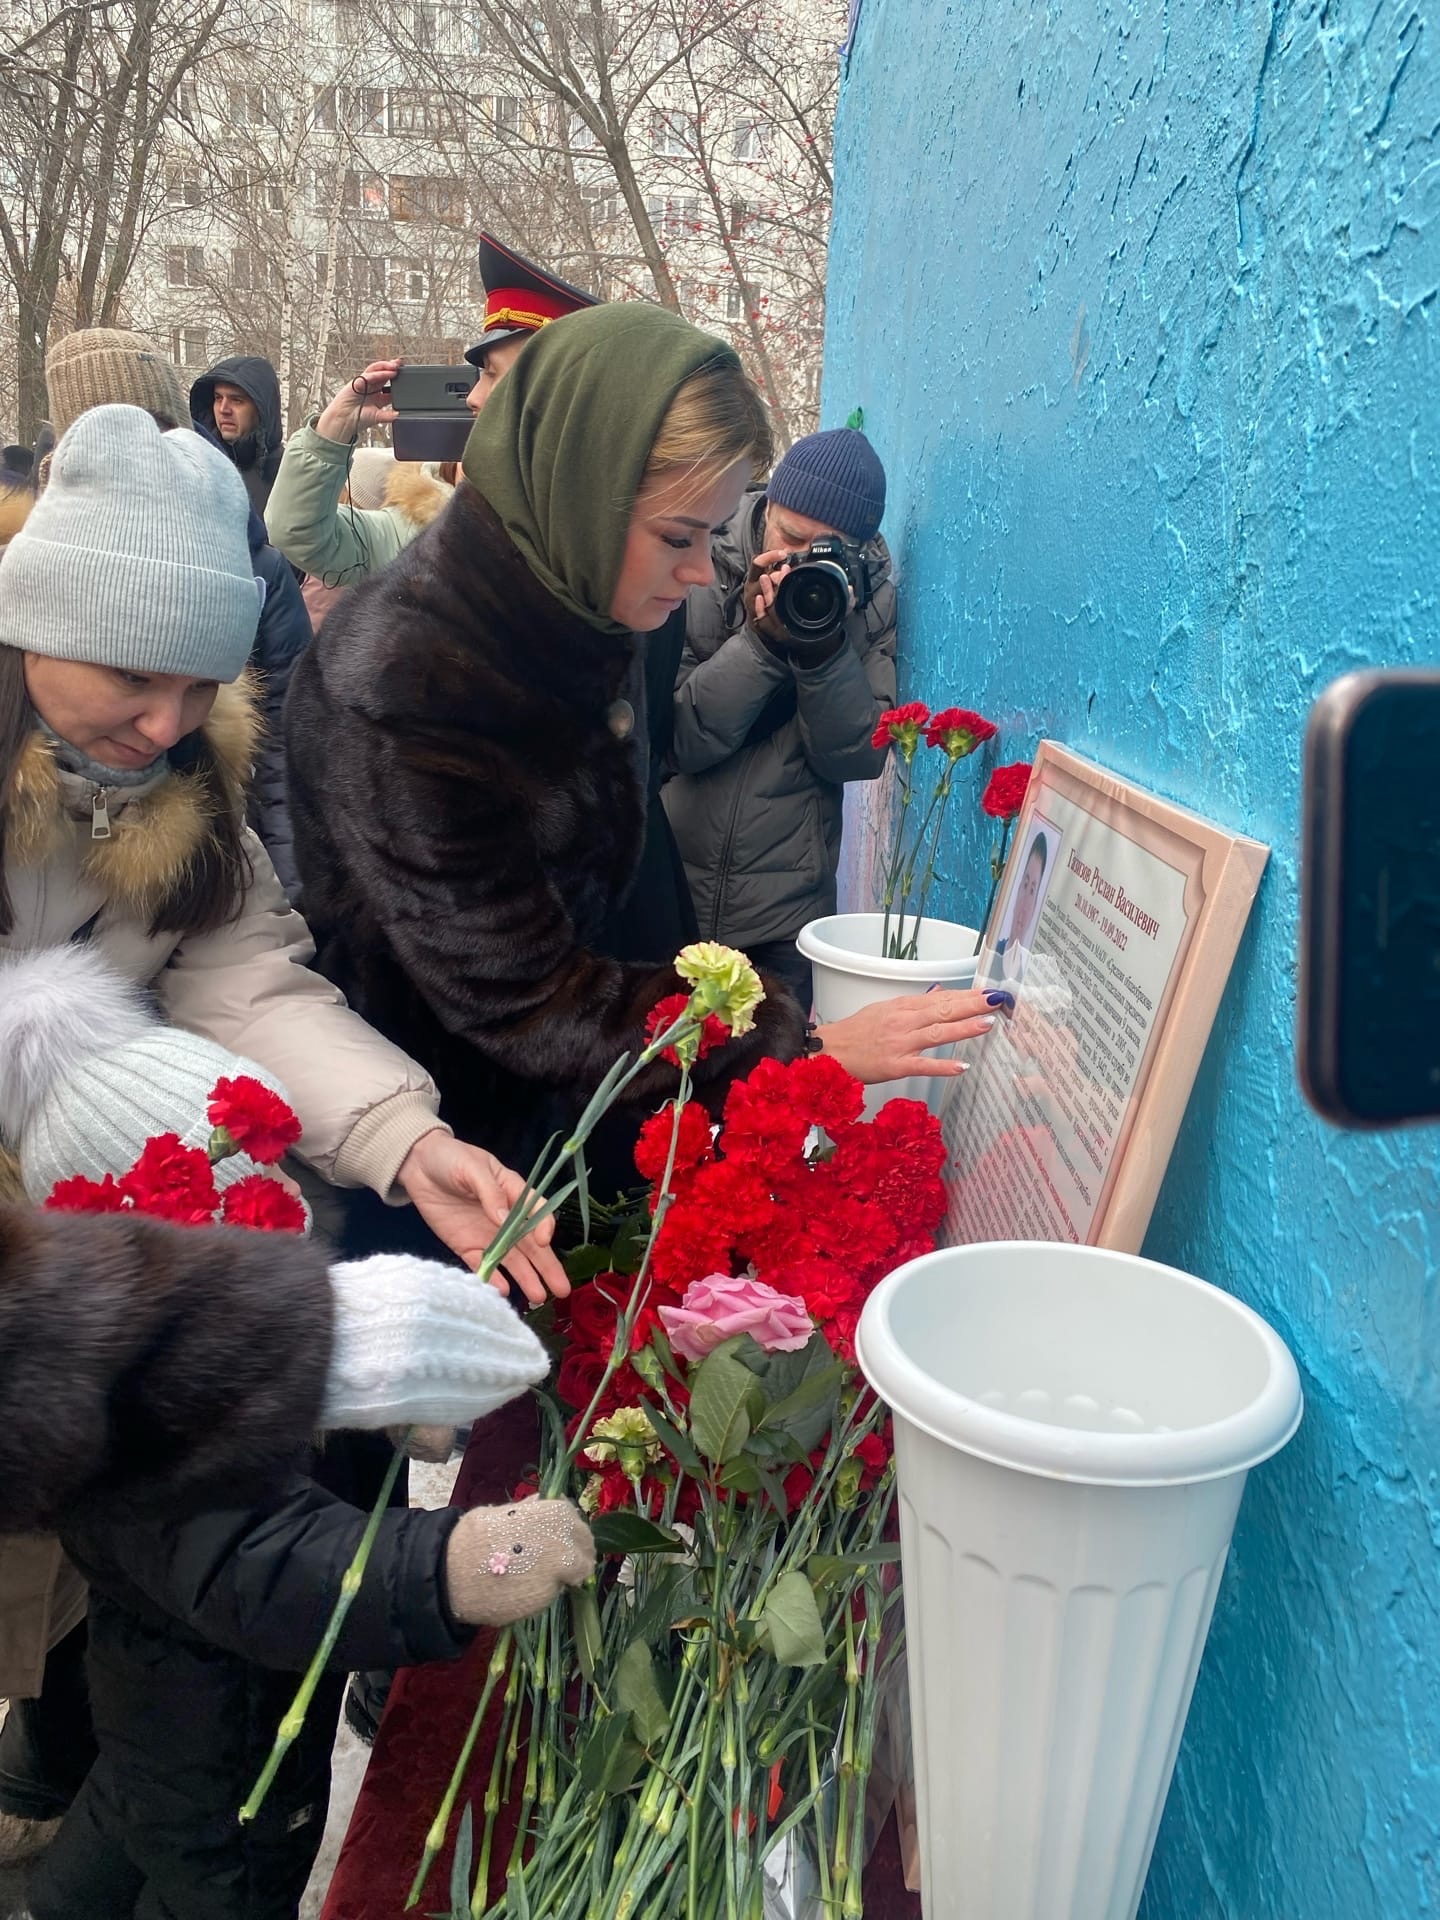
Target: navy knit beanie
{"type": "Point", "coordinates": [834, 477]}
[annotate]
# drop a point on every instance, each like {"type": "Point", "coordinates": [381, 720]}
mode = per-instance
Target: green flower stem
{"type": "Point", "coordinates": [822, 1845]}
{"type": "Point", "coordinates": [852, 1905]}
{"type": "Point", "coordinates": [435, 1838]}
{"type": "Point", "coordinates": [931, 842]}
{"type": "Point", "coordinates": [892, 867]}
{"type": "Point", "coordinates": [294, 1720]}
{"type": "Point", "coordinates": [901, 950]}
{"type": "Point", "coordinates": [997, 868]}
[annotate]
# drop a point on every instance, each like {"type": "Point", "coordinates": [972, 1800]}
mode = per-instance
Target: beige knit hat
{"type": "Point", "coordinates": [104, 366]}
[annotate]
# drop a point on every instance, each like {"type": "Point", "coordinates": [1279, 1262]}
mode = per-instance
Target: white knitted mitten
{"type": "Point", "coordinates": [503, 1563]}
{"type": "Point", "coordinates": [418, 1343]}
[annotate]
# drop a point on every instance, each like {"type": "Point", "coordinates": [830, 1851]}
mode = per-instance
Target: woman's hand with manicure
{"type": "Point", "coordinates": [889, 1039]}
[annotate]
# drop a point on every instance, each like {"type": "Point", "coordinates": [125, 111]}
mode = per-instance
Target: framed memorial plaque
{"type": "Point", "coordinates": [1113, 930]}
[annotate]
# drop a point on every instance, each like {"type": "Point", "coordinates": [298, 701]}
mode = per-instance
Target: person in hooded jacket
{"type": "Point", "coordinates": [104, 366]}
{"type": "Point", "coordinates": [238, 400]}
{"type": "Point", "coordinates": [766, 729]}
{"type": "Point", "coordinates": [204, 1610]}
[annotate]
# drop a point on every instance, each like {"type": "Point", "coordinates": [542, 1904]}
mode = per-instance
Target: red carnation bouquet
{"type": "Point", "coordinates": [170, 1181]}
{"type": "Point", "coordinates": [952, 735]}
{"type": "Point", "coordinates": [709, 1418]}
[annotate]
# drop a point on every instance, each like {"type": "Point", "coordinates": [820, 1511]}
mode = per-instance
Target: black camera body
{"type": "Point", "coordinates": [816, 597]}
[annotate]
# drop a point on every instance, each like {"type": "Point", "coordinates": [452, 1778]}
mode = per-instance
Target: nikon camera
{"type": "Point", "coordinates": [816, 596]}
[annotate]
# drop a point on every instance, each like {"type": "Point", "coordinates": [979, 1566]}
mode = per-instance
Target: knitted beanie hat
{"type": "Point", "coordinates": [370, 471]}
{"type": "Point", "coordinates": [834, 477]}
{"type": "Point", "coordinates": [88, 1074]}
{"type": "Point", "coordinates": [104, 366]}
{"type": "Point", "coordinates": [136, 555]}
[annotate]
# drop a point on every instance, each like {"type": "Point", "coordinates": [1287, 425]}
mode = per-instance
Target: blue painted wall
{"type": "Point", "coordinates": [1140, 301]}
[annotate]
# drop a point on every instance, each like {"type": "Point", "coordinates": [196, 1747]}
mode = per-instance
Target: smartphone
{"type": "Point", "coordinates": [435, 420]}
{"type": "Point", "coordinates": [1369, 1040]}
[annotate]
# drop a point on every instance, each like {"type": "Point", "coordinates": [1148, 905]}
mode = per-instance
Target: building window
{"type": "Point", "coordinates": [362, 109]}
{"type": "Point", "coordinates": [749, 141]}
{"type": "Point", "coordinates": [739, 217]}
{"type": "Point", "coordinates": [742, 300]}
{"type": "Point", "coordinates": [425, 22]}
{"type": "Point", "coordinates": [252, 271]}
{"type": "Point", "coordinates": [326, 109]}
{"type": "Point", "coordinates": [418, 197]}
{"type": "Point", "coordinates": [416, 110]}
{"type": "Point", "coordinates": [504, 113]}
{"type": "Point", "coordinates": [364, 193]}
{"type": "Point", "coordinates": [350, 23]}
{"type": "Point", "coordinates": [672, 133]}
{"type": "Point", "coordinates": [187, 347]}
{"type": "Point", "coordinates": [582, 134]}
{"type": "Point", "coordinates": [182, 187]}
{"type": "Point", "coordinates": [184, 266]}
{"type": "Point", "coordinates": [409, 280]}
{"type": "Point", "coordinates": [251, 107]}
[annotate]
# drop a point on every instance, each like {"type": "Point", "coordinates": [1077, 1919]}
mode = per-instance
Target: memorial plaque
{"type": "Point", "coordinates": [1114, 928]}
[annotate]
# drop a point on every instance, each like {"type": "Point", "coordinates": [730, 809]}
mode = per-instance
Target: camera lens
{"type": "Point", "coordinates": [812, 602]}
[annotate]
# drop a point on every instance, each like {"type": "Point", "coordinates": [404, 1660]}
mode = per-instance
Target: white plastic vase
{"type": "Point", "coordinates": [851, 972]}
{"type": "Point", "coordinates": [1073, 1429]}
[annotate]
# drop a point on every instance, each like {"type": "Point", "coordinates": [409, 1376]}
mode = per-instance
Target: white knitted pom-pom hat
{"type": "Point", "coordinates": [88, 1074]}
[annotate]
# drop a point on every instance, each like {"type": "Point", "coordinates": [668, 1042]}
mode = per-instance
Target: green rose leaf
{"type": "Point", "coordinates": [740, 1476]}
{"type": "Point", "coordinates": [612, 1756]}
{"type": "Point", "coordinates": [726, 1400]}
{"type": "Point", "coordinates": [637, 1692]}
{"type": "Point", "coordinates": [621, 1533]}
{"type": "Point", "coordinates": [826, 1568]}
{"type": "Point", "coordinates": [790, 1622]}
{"type": "Point", "coordinates": [808, 1412]}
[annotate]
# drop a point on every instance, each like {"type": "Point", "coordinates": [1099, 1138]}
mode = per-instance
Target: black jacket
{"type": "Point", "coordinates": [467, 817]}
{"type": "Point", "coordinates": [257, 455]}
{"type": "Point", "coordinates": [283, 635]}
{"type": "Point", "coordinates": [160, 1386]}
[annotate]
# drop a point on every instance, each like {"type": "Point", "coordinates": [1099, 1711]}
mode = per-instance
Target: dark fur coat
{"type": "Point", "coordinates": [149, 1367]}
{"type": "Point", "coordinates": [466, 819]}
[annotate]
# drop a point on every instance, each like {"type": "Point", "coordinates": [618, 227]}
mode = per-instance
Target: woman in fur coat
{"type": "Point", "coordinates": [128, 607]}
{"type": "Point", "coordinates": [475, 813]}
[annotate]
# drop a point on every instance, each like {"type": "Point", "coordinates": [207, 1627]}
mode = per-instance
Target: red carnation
{"type": "Point", "coordinates": [959, 731]}
{"type": "Point", "coordinates": [693, 1146]}
{"type": "Point", "coordinates": [256, 1120]}
{"type": "Point", "coordinates": [1004, 793]}
{"type": "Point", "coordinates": [172, 1182]}
{"type": "Point", "coordinates": [713, 1030]}
{"type": "Point", "coordinates": [79, 1195]}
{"type": "Point", "coordinates": [262, 1203]}
{"type": "Point", "coordinates": [901, 727]}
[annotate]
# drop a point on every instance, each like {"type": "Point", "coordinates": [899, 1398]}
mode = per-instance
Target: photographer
{"type": "Point", "coordinates": [769, 726]}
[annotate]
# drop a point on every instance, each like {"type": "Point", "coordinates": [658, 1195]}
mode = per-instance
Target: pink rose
{"type": "Point", "coordinates": [719, 1307]}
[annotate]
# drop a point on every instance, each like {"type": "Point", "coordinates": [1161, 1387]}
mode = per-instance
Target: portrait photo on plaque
{"type": "Point", "coordinates": [1114, 929]}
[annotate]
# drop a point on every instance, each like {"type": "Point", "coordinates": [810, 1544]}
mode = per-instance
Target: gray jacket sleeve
{"type": "Point", "coordinates": [718, 700]}
{"type": "Point", "coordinates": [840, 702]}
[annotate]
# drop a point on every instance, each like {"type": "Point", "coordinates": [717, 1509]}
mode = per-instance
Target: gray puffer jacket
{"type": "Point", "coordinates": [763, 749]}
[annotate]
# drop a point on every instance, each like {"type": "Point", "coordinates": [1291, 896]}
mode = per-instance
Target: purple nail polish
{"type": "Point", "coordinates": [999, 999]}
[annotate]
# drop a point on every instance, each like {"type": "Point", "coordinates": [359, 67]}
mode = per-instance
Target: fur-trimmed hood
{"type": "Point", "coordinates": [417, 492]}
{"type": "Point", "coordinates": [155, 829]}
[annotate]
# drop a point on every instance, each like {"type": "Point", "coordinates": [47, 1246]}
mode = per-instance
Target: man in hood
{"type": "Point", "coordinates": [238, 401]}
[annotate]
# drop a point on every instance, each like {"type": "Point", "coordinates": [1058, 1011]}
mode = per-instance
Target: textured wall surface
{"type": "Point", "coordinates": [1140, 301]}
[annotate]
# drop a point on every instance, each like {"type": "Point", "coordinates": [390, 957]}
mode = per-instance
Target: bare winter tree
{"type": "Point", "coordinates": [84, 96]}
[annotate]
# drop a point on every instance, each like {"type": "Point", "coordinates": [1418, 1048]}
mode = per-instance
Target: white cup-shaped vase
{"type": "Point", "coordinates": [850, 971]}
{"type": "Point", "coordinates": [1073, 1429]}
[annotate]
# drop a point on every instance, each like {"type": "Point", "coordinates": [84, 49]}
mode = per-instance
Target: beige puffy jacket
{"type": "Point", "coordinates": [362, 1102]}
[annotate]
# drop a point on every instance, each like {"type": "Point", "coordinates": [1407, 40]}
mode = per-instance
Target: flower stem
{"type": "Point", "coordinates": [892, 868]}
{"type": "Point", "coordinates": [289, 1728]}
{"type": "Point", "coordinates": [997, 868]}
{"type": "Point", "coordinates": [435, 1838]}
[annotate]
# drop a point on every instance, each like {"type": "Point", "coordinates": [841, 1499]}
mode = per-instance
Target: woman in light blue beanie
{"type": "Point", "coordinates": [127, 736]}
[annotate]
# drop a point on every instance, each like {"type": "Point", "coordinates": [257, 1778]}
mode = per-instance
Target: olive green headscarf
{"type": "Point", "coordinates": [561, 446]}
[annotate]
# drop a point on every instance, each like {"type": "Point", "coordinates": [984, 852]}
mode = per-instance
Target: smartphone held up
{"type": "Point", "coordinates": [432, 408]}
{"type": "Point", "coordinates": [1369, 1039]}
